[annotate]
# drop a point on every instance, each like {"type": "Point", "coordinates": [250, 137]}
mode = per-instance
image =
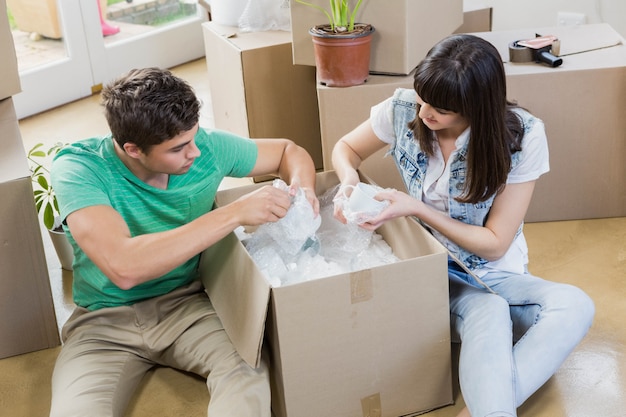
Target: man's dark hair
{"type": "Point", "coordinates": [149, 106]}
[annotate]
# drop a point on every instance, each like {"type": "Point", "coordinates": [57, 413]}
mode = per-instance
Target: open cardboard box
{"type": "Point", "coordinates": [371, 342]}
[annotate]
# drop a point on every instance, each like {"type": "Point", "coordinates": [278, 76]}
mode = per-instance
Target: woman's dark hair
{"type": "Point", "coordinates": [149, 106]}
{"type": "Point", "coordinates": [464, 74]}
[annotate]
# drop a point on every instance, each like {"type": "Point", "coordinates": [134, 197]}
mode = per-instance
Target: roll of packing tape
{"type": "Point", "coordinates": [519, 53]}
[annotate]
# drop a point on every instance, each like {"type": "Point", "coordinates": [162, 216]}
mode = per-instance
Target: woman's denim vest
{"type": "Point", "coordinates": [412, 163]}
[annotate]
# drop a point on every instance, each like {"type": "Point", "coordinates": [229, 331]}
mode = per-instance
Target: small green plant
{"type": "Point", "coordinates": [340, 16]}
{"type": "Point", "coordinates": [45, 198]}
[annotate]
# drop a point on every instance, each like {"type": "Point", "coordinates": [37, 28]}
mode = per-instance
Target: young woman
{"type": "Point", "coordinates": [469, 160]}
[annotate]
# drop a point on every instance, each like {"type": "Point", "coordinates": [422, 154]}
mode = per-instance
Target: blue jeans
{"type": "Point", "coordinates": [513, 341]}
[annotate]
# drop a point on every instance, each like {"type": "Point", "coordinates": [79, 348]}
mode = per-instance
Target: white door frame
{"type": "Point", "coordinates": [90, 63]}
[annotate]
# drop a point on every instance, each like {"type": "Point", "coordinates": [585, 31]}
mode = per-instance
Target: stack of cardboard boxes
{"type": "Point", "coordinates": [27, 318]}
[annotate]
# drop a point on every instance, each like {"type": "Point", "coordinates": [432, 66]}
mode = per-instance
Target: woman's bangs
{"type": "Point", "coordinates": [440, 90]}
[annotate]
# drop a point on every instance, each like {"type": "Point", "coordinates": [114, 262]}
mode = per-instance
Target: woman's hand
{"type": "Point", "coordinates": [400, 205]}
{"type": "Point", "coordinates": [341, 199]}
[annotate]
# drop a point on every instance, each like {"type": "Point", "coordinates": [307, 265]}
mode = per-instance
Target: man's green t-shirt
{"type": "Point", "coordinates": [89, 173]}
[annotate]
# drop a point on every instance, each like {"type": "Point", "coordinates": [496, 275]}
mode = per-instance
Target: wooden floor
{"type": "Point", "coordinates": [588, 253]}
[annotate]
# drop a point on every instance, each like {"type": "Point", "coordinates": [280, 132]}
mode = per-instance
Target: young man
{"type": "Point", "coordinates": [138, 209]}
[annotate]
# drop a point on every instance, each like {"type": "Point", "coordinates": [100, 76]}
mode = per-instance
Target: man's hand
{"type": "Point", "coordinates": [267, 204]}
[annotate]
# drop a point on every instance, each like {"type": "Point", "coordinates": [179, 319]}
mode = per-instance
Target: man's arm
{"type": "Point", "coordinates": [128, 261]}
{"type": "Point", "coordinates": [289, 161]}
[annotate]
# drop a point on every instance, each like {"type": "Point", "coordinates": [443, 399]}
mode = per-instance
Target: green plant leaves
{"type": "Point", "coordinates": [340, 16]}
{"type": "Point", "coordinates": [43, 193]}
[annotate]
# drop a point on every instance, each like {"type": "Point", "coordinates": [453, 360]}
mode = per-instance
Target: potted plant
{"type": "Point", "coordinates": [342, 46]}
{"type": "Point", "coordinates": [46, 201]}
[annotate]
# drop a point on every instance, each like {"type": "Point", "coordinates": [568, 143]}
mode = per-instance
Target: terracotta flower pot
{"type": "Point", "coordinates": [342, 59]}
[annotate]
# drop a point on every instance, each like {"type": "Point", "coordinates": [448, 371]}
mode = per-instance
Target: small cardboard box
{"type": "Point", "coordinates": [405, 30]}
{"type": "Point", "coordinates": [343, 109]}
{"type": "Point", "coordinates": [582, 103]}
{"type": "Point", "coordinates": [9, 76]}
{"type": "Point", "coordinates": [371, 342]}
{"type": "Point", "coordinates": [27, 318]}
{"type": "Point", "coordinates": [256, 91]}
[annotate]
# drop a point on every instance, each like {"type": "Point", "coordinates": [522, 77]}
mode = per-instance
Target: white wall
{"type": "Point", "coordinates": [517, 14]}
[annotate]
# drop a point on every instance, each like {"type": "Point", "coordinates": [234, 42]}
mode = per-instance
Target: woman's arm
{"type": "Point", "coordinates": [352, 149]}
{"type": "Point", "coordinates": [348, 154]}
{"type": "Point", "coordinates": [490, 241]}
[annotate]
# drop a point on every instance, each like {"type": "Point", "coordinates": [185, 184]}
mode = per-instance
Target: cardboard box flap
{"type": "Point", "coordinates": [244, 283]}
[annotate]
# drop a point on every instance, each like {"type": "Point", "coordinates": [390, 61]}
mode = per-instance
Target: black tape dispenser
{"type": "Point", "coordinates": [544, 49]}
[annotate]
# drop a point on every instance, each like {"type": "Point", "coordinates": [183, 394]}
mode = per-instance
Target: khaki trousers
{"type": "Point", "coordinates": [106, 353]}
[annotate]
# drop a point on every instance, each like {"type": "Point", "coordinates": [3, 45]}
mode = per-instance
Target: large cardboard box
{"type": "Point", "coordinates": [27, 318]}
{"type": "Point", "coordinates": [256, 91]}
{"type": "Point", "coordinates": [374, 342]}
{"type": "Point", "coordinates": [405, 30]}
{"type": "Point", "coordinates": [9, 76]}
{"type": "Point", "coordinates": [582, 103]}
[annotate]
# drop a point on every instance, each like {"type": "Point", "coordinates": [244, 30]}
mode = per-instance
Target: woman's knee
{"type": "Point", "coordinates": [581, 306]}
{"type": "Point", "coordinates": [573, 306]}
{"type": "Point", "coordinates": [484, 314]}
